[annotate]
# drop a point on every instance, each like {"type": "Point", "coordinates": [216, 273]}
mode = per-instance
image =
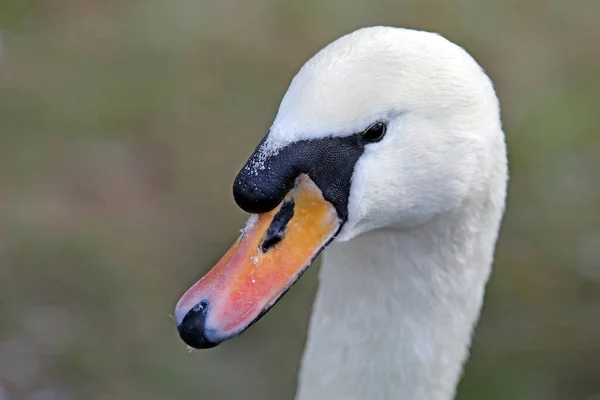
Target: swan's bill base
{"type": "Point", "coordinates": [272, 252]}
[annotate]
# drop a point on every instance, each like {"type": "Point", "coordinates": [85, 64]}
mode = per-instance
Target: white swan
{"type": "Point", "coordinates": [388, 144]}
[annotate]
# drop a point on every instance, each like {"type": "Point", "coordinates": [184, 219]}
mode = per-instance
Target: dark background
{"type": "Point", "coordinates": [124, 122]}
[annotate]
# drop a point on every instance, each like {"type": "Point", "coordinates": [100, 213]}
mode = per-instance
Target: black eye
{"type": "Point", "coordinates": [375, 132]}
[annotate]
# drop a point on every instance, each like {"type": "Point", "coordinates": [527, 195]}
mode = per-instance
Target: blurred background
{"type": "Point", "coordinates": [124, 122]}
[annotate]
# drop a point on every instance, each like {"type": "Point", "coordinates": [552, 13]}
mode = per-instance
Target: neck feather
{"type": "Point", "coordinates": [395, 311]}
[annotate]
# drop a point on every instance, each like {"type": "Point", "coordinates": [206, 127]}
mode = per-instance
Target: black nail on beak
{"type": "Point", "coordinates": [192, 329]}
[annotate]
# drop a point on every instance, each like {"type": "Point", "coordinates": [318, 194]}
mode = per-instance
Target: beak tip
{"type": "Point", "coordinates": [192, 328]}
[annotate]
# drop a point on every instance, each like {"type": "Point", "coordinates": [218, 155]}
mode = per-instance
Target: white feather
{"type": "Point", "coordinates": [402, 287]}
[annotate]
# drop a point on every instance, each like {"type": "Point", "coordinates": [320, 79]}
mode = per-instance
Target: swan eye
{"type": "Point", "coordinates": [375, 132]}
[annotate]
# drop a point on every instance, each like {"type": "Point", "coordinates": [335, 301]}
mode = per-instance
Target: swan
{"type": "Point", "coordinates": [387, 151]}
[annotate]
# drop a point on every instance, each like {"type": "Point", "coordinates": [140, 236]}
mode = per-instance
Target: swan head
{"type": "Point", "coordinates": [383, 128]}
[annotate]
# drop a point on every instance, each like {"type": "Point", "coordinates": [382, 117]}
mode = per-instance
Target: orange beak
{"type": "Point", "coordinates": [272, 252]}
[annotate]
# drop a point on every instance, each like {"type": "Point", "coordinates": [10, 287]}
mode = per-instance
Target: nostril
{"type": "Point", "coordinates": [276, 230]}
{"type": "Point", "coordinates": [192, 329]}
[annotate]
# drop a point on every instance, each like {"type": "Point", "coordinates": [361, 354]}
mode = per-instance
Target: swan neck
{"type": "Point", "coordinates": [394, 312]}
